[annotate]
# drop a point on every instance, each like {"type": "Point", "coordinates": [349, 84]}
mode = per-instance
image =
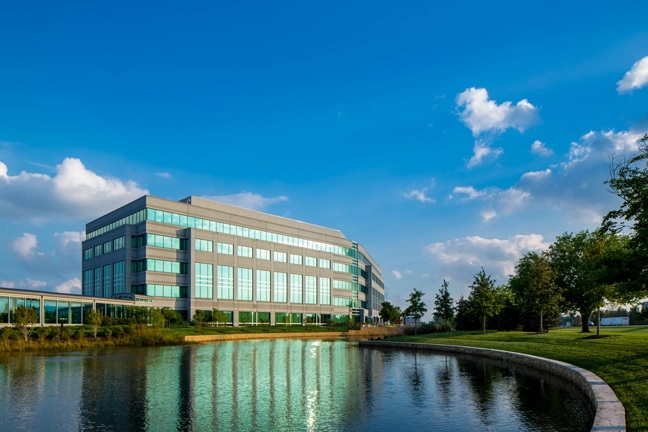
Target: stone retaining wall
{"type": "Point", "coordinates": [610, 414]}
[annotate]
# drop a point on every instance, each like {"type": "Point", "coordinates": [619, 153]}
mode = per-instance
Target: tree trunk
{"type": "Point", "coordinates": [585, 321]}
{"type": "Point", "coordinates": [541, 321]}
{"type": "Point", "coordinates": [598, 322]}
{"type": "Point", "coordinates": [484, 325]}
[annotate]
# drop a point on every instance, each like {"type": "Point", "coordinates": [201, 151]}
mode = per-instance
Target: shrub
{"type": "Point", "coordinates": [79, 332]}
{"type": "Point", "coordinates": [108, 332]}
{"type": "Point", "coordinates": [129, 330]}
{"type": "Point", "coordinates": [53, 332]}
{"type": "Point", "coordinates": [5, 333]}
{"type": "Point", "coordinates": [42, 333]}
{"type": "Point", "coordinates": [66, 333]}
{"type": "Point", "coordinates": [119, 331]}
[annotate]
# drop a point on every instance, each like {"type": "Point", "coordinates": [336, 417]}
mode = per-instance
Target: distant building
{"type": "Point", "coordinates": [197, 254]}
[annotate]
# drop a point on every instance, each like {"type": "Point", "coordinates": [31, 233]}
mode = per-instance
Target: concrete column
{"type": "Point", "coordinates": [272, 319]}
{"type": "Point", "coordinates": [235, 318]}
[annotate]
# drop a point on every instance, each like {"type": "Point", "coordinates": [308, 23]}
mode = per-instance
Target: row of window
{"type": "Point", "coordinates": [157, 265]}
{"type": "Point", "coordinates": [160, 290]}
{"type": "Point", "coordinates": [133, 219]}
{"type": "Point", "coordinates": [104, 248]}
{"type": "Point", "coordinates": [352, 303]}
{"type": "Point", "coordinates": [104, 281]}
{"type": "Point", "coordinates": [299, 288]}
{"type": "Point", "coordinates": [261, 254]}
{"type": "Point", "coordinates": [346, 268]}
{"type": "Point", "coordinates": [158, 241]}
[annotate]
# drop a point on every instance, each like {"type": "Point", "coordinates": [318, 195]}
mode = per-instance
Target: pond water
{"type": "Point", "coordinates": [286, 385]}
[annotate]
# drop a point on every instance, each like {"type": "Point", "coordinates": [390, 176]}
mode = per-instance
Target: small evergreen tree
{"type": "Point", "coordinates": [444, 305]}
{"type": "Point", "coordinates": [417, 308]}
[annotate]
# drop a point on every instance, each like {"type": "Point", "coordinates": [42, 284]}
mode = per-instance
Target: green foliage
{"type": "Point", "coordinates": [66, 333]}
{"type": "Point", "coordinates": [93, 318]}
{"type": "Point", "coordinates": [108, 332]}
{"type": "Point", "coordinates": [198, 318]}
{"type": "Point", "coordinates": [444, 304]}
{"type": "Point", "coordinates": [79, 332]}
{"type": "Point", "coordinates": [219, 317]}
{"type": "Point", "coordinates": [157, 318]}
{"type": "Point", "coordinates": [486, 299]}
{"type": "Point", "coordinates": [465, 318]}
{"type": "Point", "coordinates": [5, 333]}
{"type": "Point", "coordinates": [534, 287]}
{"type": "Point", "coordinates": [390, 313]}
{"type": "Point", "coordinates": [138, 314]}
{"type": "Point", "coordinates": [24, 319]}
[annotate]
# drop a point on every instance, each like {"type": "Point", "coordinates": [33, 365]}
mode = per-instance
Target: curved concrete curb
{"type": "Point", "coordinates": [610, 414]}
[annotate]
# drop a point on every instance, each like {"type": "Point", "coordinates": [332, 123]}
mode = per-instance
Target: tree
{"type": "Point", "coordinates": [198, 318]}
{"type": "Point", "coordinates": [417, 308]}
{"type": "Point", "coordinates": [219, 317]}
{"type": "Point", "coordinates": [390, 313]}
{"type": "Point", "coordinates": [534, 286]}
{"type": "Point", "coordinates": [628, 181]}
{"type": "Point", "coordinates": [23, 319]}
{"type": "Point", "coordinates": [157, 318]}
{"type": "Point", "coordinates": [93, 318]}
{"type": "Point", "coordinates": [486, 299]}
{"type": "Point", "coordinates": [580, 262]}
{"type": "Point", "coordinates": [443, 305]}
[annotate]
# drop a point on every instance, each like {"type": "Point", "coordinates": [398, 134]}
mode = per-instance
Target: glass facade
{"type": "Point", "coordinates": [87, 283]}
{"type": "Point", "coordinates": [107, 282]}
{"type": "Point", "coordinates": [296, 259]}
{"type": "Point", "coordinates": [118, 243]}
{"type": "Point", "coordinates": [310, 261]}
{"type": "Point", "coordinates": [97, 281]}
{"type": "Point", "coordinates": [87, 254]}
{"type": "Point", "coordinates": [160, 290]}
{"type": "Point", "coordinates": [325, 291]}
{"type": "Point", "coordinates": [244, 282]}
{"type": "Point", "coordinates": [324, 263]}
{"type": "Point", "coordinates": [118, 277]}
{"type": "Point", "coordinates": [225, 282]}
{"type": "Point", "coordinates": [296, 288]}
{"type": "Point", "coordinates": [262, 285]}
{"type": "Point", "coordinates": [263, 254]}
{"type": "Point", "coordinates": [156, 240]}
{"type": "Point", "coordinates": [135, 218]}
{"type": "Point", "coordinates": [97, 250]}
{"type": "Point", "coordinates": [204, 245]}
{"type": "Point", "coordinates": [204, 281]}
{"type": "Point", "coordinates": [225, 248]}
{"type": "Point", "coordinates": [107, 247]}
{"type": "Point", "coordinates": [280, 287]}
{"type": "Point", "coordinates": [244, 251]}
{"type": "Point", "coordinates": [311, 290]}
{"type": "Point", "coordinates": [4, 310]}
{"type": "Point", "coordinates": [156, 265]}
{"type": "Point", "coordinates": [280, 257]}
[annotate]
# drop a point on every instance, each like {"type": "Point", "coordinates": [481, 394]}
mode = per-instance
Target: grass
{"type": "Point", "coordinates": [621, 358]}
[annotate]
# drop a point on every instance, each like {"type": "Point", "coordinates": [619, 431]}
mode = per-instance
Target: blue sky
{"type": "Point", "coordinates": [442, 138]}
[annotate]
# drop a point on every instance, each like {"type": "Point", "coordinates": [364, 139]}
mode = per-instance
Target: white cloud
{"type": "Point", "coordinates": [165, 175]}
{"type": "Point", "coordinates": [460, 259]}
{"type": "Point", "coordinates": [482, 152]}
{"type": "Point", "coordinates": [32, 283]}
{"type": "Point", "coordinates": [397, 274]}
{"type": "Point", "coordinates": [480, 114]}
{"type": "Point", "coordinates": [499, 202]}
{"type": "Point", "coordinates": [72, 286]}
{"type": "Point", "coordinates": [7, 284]}
{"type": "Point", "coordinates": [420, 195]}
{"type": "Point", "coordinates": [635, 78]}
{"type": "Point", "coordinates": [468, 190]}
{"type": "Point", "coordinates": [73, 193]}
{"type": "Point", "coordinates": [488, 214]}
{"type": "Point", "coordinates": [248, 200]}
{"type": "Point", "coordinates": [25, 245]}
{"type": "Point", "coordinates": [539, 148]}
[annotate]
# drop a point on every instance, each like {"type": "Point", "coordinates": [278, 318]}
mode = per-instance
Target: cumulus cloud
{"type": "Point", "coordinates": [32, 283]}
{"type": "Point", "coordinates": [56, 263]}
{"type": "Point", "coordinates": [72, 286]}
{"type": "Point", "coordinates": [248, 200]}
{"type": "Point", "coordinates": [460, 259]}
{"type": "Point", "coordinates": [420, 194]}
{"type": "Point", "coordinates": [73, 193]}
{"type": "Point", "coordinates": [499, 202]}
{"type": "Point", "coordinates": [398, 275]}
{"type": "Point", "coordinates": [483, 152]}
{"type": "Point", "coordinates": [25, 245]}
{"type": "Point", "coordinates": [7, 284]}
{"type": "Point", "coordinates": [481, 114]}
{"type": "Point", "coordinates": [539, 148]}
{"type": "Point", "coordinates": [635, 78]}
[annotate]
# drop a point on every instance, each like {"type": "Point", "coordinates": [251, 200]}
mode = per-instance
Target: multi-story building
{"type": "Point", "coordinates": [197, 254]}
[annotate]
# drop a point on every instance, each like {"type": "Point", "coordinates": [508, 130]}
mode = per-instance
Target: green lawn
{"type": "Point", "coordinates": [620, 359]}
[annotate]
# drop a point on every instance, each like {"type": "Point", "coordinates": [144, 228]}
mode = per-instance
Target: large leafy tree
{"type": "Point", "coordinates": [534, 286]}
{"type": "Point", "coordinates": [629, 181]}
{"type": "Point", "coordinates": [486, 299]}
{"type": "Point", "coordinates": [390, 313]}
{"type": "Point", "coordinates": [581, 263]}
{"type": "Point", "coordinates": [416, 308]}
{"type": "Point", "coordinates": [444, 304]}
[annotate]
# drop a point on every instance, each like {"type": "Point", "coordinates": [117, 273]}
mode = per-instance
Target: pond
{"type": "Point", "coordinates": [279, 385]}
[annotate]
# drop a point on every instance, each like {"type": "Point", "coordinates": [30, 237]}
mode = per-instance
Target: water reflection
{"type": "Point", "coordinates": [277, 385]}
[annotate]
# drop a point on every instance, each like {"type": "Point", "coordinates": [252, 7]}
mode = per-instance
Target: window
{"type": "Point", "coordinates": [325, 291]}
{"type": "Point", "coordinates": [225, 282]}
{"type": "Point", "coordinates": [310, 261]}
{"type": "Point", "coordinates": [225, 248]}
{"type": "Point", "coordinates": [107, 247]}
{"type": "Point", "coordinates": [160, 290]}
{"type": "Point", "coordinates": [245, 283]}
{"type": "Point", "coordinates": [118, 277]}
{"type": "Point", "coordinates": [280, 287]}
{"type": "Point", "coordinates": [311, 290]}
{"type": "Point", "coordinates": [107, 283]}
{"type": "Point", "coordinates": [344, 285]}
{"type": "Point", "coordinates": [244, 251]}
{"type": "Point", "coordinates": [87, 283]}
{"type": "Point", "coordinates": [87, 254]}
{"type": "Point", "coordinates": [324, 263]}
{"type": "Point", "coordinates": [338, 301]}
{"type": "Point", "coordinates": [296, 288]}
{"type": "Point", "coordinates": [263, 254]}
{"type": "Point", "coordinates": [280, 256]}
{"type": "Point", "coordinates": [295, 259]}
{"type": "Point", "coordinates": [118, 243]}
{"type": "Point", "coordinates": [97, 282]}
{"type": "Point", "coordinates": [97, 250]}
{"type": "Point", "coordinates": [262, 286]}
{"type": "Point", "coordinates": [204, 281]}
{"type": "Point", "coordinates": [160, 241]}
{"type": "Point", "coordinates": [204, 245]}
{"type": "Point", "coordinates": [158, 266]}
